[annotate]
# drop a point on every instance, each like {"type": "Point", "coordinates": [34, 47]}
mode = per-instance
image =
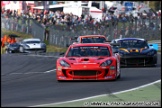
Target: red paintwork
{"type": "Point", "coordinates": [77, 63]}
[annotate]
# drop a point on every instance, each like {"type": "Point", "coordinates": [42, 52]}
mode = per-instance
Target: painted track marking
{"type": "Point", "coordinates": [98, 95]}
{"type": "Point", "coordinates": [53, 70]}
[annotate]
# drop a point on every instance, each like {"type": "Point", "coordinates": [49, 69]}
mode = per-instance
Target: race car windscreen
{"type": "Point", "coordinates": [93, 40]}
{"type": "Point", "coordinates": [14, 45]}
{"type": "Point", "coordinates": [30, 42]}
{"type": "Point", "coordinates": [132, 44]}
{"type": "Point", "coordinates": [88, 51]}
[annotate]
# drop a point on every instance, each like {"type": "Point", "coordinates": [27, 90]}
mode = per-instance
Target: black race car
{"type": "Point", "coordinates": [135, 52]}
{"type": "Point", "coordinates": [12, 48]}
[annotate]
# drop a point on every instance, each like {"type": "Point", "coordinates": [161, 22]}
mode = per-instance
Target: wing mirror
{"type": "Point", "coordinates": [62, 53]}
{"type": "Point", "coordinates": [67, 45]}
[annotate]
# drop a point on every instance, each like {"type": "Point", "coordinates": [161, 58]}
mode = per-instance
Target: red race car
{"type": "Point", "coordinates": [88, 39]}
{"type": "Point", "coordinates": [88, 61]}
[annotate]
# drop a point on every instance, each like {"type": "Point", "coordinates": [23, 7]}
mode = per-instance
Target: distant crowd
{"type": "Point", "coordinates": [152, 24]}
{"type": "Point", "coordinates": [61, 18]}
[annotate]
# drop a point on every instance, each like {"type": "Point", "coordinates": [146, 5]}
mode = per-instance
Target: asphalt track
{"type": "Point", "coordinates": [30, 80]}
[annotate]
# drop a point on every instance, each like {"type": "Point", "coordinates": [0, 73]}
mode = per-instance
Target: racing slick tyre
{"type": "Point", "coordinates": [21, 49]}
{"type": "Point", "coordinates": [118, 77]}
{"type": "Point", "coordinates": [8, 52]}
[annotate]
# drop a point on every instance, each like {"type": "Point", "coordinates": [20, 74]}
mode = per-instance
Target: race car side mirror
{"type": "Point", "coordinates": [74, 38]}
{"type": "Point", "coordinates": [67, 45]}
{"type": "Point", "coordinates": [62, 53]}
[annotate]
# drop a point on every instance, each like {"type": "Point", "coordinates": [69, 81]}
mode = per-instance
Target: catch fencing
{"type": "Point", "coordinates": [24, 25]}
{"type": "Point", "coordinates": [144, 28]}
{"type": "Point", "coordinates": [60, 35]}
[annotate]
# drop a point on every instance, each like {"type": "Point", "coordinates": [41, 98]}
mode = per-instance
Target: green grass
{"type": "Point", "coordinates": [22, 35]}
{"type": "Point", "coordinates": [50, 48]}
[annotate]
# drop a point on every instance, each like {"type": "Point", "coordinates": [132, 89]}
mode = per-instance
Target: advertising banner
{"type": "Point", "coordinates": [128, 6]}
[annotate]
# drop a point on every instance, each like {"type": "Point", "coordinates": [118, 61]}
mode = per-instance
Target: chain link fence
{"type": "Point", "coordinates": [60, 35]}
{"type": "Point", "coordinates": [144, 28]}
{"type": "Point", "coordinates": [24, 25]}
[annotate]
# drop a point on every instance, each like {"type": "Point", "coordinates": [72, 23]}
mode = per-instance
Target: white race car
{"type": "Point", "coordinates": [32, 45]}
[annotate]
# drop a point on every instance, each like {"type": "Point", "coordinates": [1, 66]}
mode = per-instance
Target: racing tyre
{"type": "Point", "coordinates": [10, 51]}
{"type": "Point", "coordinates": [119, 76]}
{"type": "Point", "coordinates": [6, 52]}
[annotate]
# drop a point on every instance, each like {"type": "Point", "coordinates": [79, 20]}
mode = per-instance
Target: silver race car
{"type": "Point", "coordinates": [32, 45]}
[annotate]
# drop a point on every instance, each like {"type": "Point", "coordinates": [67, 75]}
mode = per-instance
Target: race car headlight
{"type": "Point", "coordinates": [151, 53]}
{"type": "Point", "coordinates": [26, 46]}
{"type": "Point", "coordinates": [43, 45]}
{"type": "Point", "coordinates": [122, 52]}
{"type": "Point", "coordinates": [64, 63]}
{"type": "Point", "coordinates": [106, 63]}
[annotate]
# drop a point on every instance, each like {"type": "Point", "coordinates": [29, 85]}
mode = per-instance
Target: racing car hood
{"type": "Point", "coordinates": [34, 45]}
{"type": "Point", "coordinates": [88, 60]}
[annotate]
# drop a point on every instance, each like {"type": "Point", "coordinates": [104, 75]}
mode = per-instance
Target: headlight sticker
{"type": "Point", "coordinates": [59, 68]}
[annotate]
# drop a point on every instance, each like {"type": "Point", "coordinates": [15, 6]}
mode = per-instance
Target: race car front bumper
{"type": "Point", "coordinates": [34, 50]}
{"type": "Point", "coordinates": [86, 74]}
{"type": "Point", "coordinates": [138, 60]}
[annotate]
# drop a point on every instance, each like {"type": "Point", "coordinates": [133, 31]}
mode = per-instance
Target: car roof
{"type": "Point", "coordinates": [32, 39]}
{"type": "Point", "coordinates": [91, 44]}
{"type": "Point", "coordinates": [92, 36]}
{"type": "Point", "coordinates": [130, 39]}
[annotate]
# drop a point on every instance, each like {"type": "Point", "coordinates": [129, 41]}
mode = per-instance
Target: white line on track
{"type": "Point", "coordinates": [42, 56]}
{"type": "Point", "coordinates": [99, 95]}
{"type": "Point", "coordinates": [34, 72]}
{"type": "Point", "coordinates": [49, 71]}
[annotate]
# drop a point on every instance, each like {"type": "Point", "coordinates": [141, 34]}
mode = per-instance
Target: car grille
{"type": "Point", "coordinates": [136, 61]}
{"type": "Point", "coordinates": [36, 49]}
{"type": "Point", "coordinates": [84, 72]}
